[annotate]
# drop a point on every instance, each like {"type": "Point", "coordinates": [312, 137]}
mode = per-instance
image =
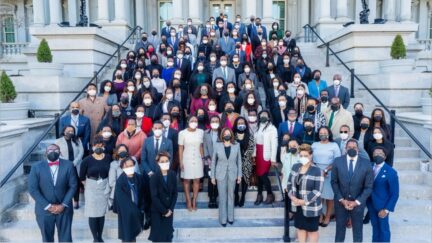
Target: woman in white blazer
{"type": "Point", "coordinates": [266, 140]}
{"type": "Point", "coordinates": [71, 149]}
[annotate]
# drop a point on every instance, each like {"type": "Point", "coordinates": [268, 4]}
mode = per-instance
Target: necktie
{"type": "Point", "coordinates": [351, 168]}
{"type": "Point", "coordinates": [331, 119]}
{"type": "Point", "coordinates": [291, 129]}
{"type": "Point", "coordinates": [224, 73]}
{"type": "Point", "coordinates": [157, 146]}
{"type": "Point", "coordinates": [376, 170]}
{"type": "Point", "coordinates": [53, 163]}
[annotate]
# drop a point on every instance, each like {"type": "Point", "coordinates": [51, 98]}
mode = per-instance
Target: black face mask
{"type": "Point", "coordinates": [123, 154]}
{"type": "Point", "coordinates": [310, 108]}
{"type": "Point", "coordinates": [75, 111]}
{"type": "Point", "coordinates": [359, 113]}
{"type": "Point", "coordinates": [352, 153]}
{"type": "Point", "coordinates": [227, 138]}
{"type": "Point", "coordinates": [69, 135]}
{"type": "Point", "coordinates": [378, 159]}
{"type": "Point", "coordinates": [293, 150]}
{"type": "Point", "coordinates": [378, 118]}
{"type": "Point", "coordinates": [324, 99]}
{"type": "Point", "coordinates": [334, 107]}
{"type": "Point", "coordinates": [263, 119]}
{"type": "Point", "coordinates": [287, 35]}
{"type": "Point", "coordinates": [53, 156]}
{"type": "Point", "coordinates": [200, 118]}
{"type": "Point", "coordinates": [238, 46]}
{"type": "Point", "coordinates": [98, 150]}
{"type": "Point", "coordinates": [229, 110]}
{"type": "Point", "coordinates": [364, 126]}
{"type": "Point", "coordinates": [124, 101]}
{"type": "Point", "coordinates": [309, 128]}
{"type": "Point", "coordinates": [154, 33]}
{"type": "Point", "coordinates": [175, 114]}
{"type": "Point", "coordinates": [317, 78]}
{"type": "Point", "coordinates": [119, 76]}
{"type": "Point", "coordinates": [144, 38]}
{"type": "Point", "coordinates": [226, 34]}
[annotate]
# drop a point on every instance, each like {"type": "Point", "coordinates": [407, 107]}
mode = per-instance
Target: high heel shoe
{"type": "Point", "coordinates": [270, 199]}
{"type": "Point", "coordinates": [259, 200]}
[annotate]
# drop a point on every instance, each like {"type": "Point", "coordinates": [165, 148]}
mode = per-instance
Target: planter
{"type": "Point", "coordinates": [45, 69]}
{"type": "Point", "coordinates": [14, 111]}
{"type": "Point", "coordinates": [426, 103]}
{"type": "Point", "coordinates": [397, 66]}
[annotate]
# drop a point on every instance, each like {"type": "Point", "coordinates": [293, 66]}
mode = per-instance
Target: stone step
{"type": "Point", "coordinates": [401, 141]}
{"type": "Point", "coordinates": [401, 164]}
{"type": "Point", "coordinates": [414, 192]}
{"type": "Point", "coordinates": [406, 152]}
{"type": "Point", "coordinates": [410, 177]}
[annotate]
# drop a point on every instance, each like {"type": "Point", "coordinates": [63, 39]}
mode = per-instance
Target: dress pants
{"type": "Point", "coordinates": [380, 226]}
{"type": "Point", "coordinates": [342, 215]}
{"type": "Point", "coordinates": [48, 221]}
{"type": "Point", "coordinates": [226, 199]}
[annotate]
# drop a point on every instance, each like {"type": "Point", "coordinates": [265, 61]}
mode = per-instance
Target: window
{"type": "Point", "coordinates": [279, 13]}
{"type": "Point", "coordinates": [165, 11]}
{"type": "Point", "coordinates": [8, 29]}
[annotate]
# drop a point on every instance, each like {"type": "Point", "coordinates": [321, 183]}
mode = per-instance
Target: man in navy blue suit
{"type": "Point", "coordinates": [52, 184]}
{"type": "Point", "coordinates": [384, 196]}
{"type": "Point", "coordinates": [80, 122]}
{"type": "Point", "coordinates": [291, 126]}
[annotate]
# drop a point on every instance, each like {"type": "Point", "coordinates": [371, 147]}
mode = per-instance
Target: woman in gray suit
{"type": "Point", "coordinates": [226, 168]}
{"type": "Point", "coordinates": [211, 137]}
{"type": "Point", "coordinates": [71, 149]}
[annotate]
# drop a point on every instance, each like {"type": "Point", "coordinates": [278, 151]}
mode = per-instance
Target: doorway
{"type": "Point", "coordinates": [226, 7]}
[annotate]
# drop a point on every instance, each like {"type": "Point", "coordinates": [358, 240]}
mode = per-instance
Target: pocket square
{"type": "Point", "coordinates": [383, 176]}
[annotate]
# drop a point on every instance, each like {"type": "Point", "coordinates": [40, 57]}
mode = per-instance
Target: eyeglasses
{"type": "Point", "coordinates": [343, 132]}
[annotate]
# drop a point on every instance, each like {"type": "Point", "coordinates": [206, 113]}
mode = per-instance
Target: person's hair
{"type": "Point", "coordinates": [117, 148]}
{"type": "Point", "coordinates": [98, 139]}
{"type": "Point", "coordinates": [246, 104]}
{"type": "Point", "coordinates": [383, 122]}
{"type": "Point", "coordinates": [123, 161]}
{"type": "Point", "coordinates": [245, 143]}
{"type": "Point", "coordinates": [206, 117]}
{"type": "Point", "coordinates": [197, 92]}
{"type": "Point", "coordinates": [224, 113]}
{"type": "Point", "coordinates": [345, 125]}
{"type": "Point", "coordinates": [113, 134]}
{"type": "Point", "coordinates": [380, 147]}
{"type": "Point", "coordinates": [157, 122]}
{"type": "Point", "coordinates": [75, 139]}
{"type": "Point", "coordinates": [162, 154]}
{"type": "Point", "coordinates": [382, 132]}
{"type": "Point", "coordinates": [330, 134]}
{"type": "Point", "coordinates": [316, 71]}
{"type": "Point", "coordinates": [91, 85]}
{"type": "Point", "coordinates": [309, 120]}
{"type": "Point", "coordinates": [221, 135]}
{"type": "Point", "coordinates": [269, 117]}
{"type": "Point", "coordinates": [102, 87]}
{"type": "Point", "coordinates": [359, 103]}
{"type": "Point", "coordinates": [352, 140]}
{"type": "Point", "coordinates": [305, 147]}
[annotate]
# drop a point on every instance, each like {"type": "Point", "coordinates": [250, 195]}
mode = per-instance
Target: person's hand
{"type": "Point", "coordinates": [352, 204]}
{"type": "Point", "coordinates": [382, 213]}
{"type": "Point", "coordinates": [168, 214]}
{"type": "Point", "coordinates": [52, 209]}
{"type": "Point", "coordinates": [346, 205]}
{"type": "Point", "coordinates": [239, 180]}
{"type": "Point", "coordinates": [253, 160]}
{"type": "Point", "coordinates": [213, 181]}
{"type": "Point", "coordinates": [300, 202]}
{"type": "Point", "coordinates": [59, 208]}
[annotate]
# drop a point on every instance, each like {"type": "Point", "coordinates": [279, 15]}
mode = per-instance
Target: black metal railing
{"type": "Point", "coordinates": [392, 113]}
{"type": "Point", "coordinates": [56, 120]}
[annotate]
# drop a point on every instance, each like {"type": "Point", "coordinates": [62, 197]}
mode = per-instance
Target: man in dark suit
{"type": "Point", "coordinates": [166, 29]}
{"type": "Point", "coordinates": [352, 182]}
{"type": "Point", "coordinates": [384, 196]}
{"type": "Point", "coordinates": [170, 133]}
{"type": "Point", "coordinates": [251, 28]}
{"type": "Point", "coordinates": [80, 122]}
{"type": "Point", "coordinates": [292, 127]}
{"type": "Point", "coordinates": [189, 24]}
{"type": "Point", "coordinates": [337, 90]}
{"type": "Point", "coordinates": [289, 41]}
{"type": "Point", "coordinates": [52, 184]}
{"type": "Point", "coordinates": [173, 40]}
{"type": "Point", "coordinates": [227, 25]}
{"type": "Point", "coordinates": [184, 65]}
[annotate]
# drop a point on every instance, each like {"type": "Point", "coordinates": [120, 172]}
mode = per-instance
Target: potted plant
{"type": "Point", "coordinates": [45, 66]}
{"type": "Point", "coordinates": [10, 110]}
{"type": "Point", "coordinates": [398, 62]}
{"type": "Point", "coordinates": [426, 102]}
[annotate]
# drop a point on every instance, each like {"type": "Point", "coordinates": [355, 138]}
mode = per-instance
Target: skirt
{"type": "Point", "coordinates": [310, 224]}
{"type": "Point", "coordinates": [262, 166]}
{"type": "Point", "coordinates": [327, 192]}
{"type": "Point", "coordinates": [96, 195]}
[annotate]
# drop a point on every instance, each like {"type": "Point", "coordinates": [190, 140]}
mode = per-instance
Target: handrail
{"type": "Point", "coordinates": [279, 181]}
{"type": "Point", "coordinates": [392, 115]}
{"type": "Point", "coordinates": [56, 119]}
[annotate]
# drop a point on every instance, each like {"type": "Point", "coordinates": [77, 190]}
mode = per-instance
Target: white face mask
{"type": "Point", "coordinates": [297, 80]}
{"type": "Point", "coordinates": [213, 59]}
{"type": "Point", "coordinates": [264, 55]}
{"type": "Point", "coordinates": [123, 65]}
{"type": "Point", "coordinates": [378, 136]}
{"type": "Point", "coordinates": [146, 84]}
{"type": "Point", "coordinates": [285, 61]}
{"type": "Point", "coordinates": [336, 82]}
{"type": "Point", "coordinates": [223, 63]}
{"type": "Point", "coordinates": [235, 59]}
{"type": "Point", "coordinates": [106, 134]}
{"type": "Point", "coordinates": [205, 41]}
{"type": "Point", "coordinates": [107, 88]}
{"type": "Point", "coordinates": [252, 119]}
{"type": "Point", "coordinates": [214, 125]}
{"type": "Point", "coordinates": [91, 92]}
{"type": "Point", "coordinates": [231, 90]}
{"type": "Point", "coordinates": [170, 64]}
{"type": "Point", "coordinates": [139, 114]}
{"type": "Point", "coordinates": [131, 88]}
{"type": "Point", "coordinates": [248, 86]}
{"type": "Point", "coordinates": [219, 85]}
{"type": "Point", "coordinates": [129, 170]}
{"type": "Point", "coordinates": [282, 103]}
{"type": "Point", "coordinates": [169, 96]}
{"type": "Point", "coordinates": [200, 68]}
{"type": "Point", "coordinates": [247, 70]}
{"type": "Point", "coordinates": [304, 160]}
{"type": "Point", "coordinates": [147, 102]}
{"type": "Point", "coordinates": [166, 123]}
{"type": "Point", "coordinates": [344, 136]}
{"type": "Point", "coordinates": [251, 101]}
{"type": "Point", "coordinates": [157, 132]}
{"type": "Point", "coordinates": [212, 107]}
{"type": "Point", "coordinates": [137, 77]}
{"type": "Point", "coordinates": [164, 166]}
{"type": "Point", "coordinates": [169, 53]}
{"type": "Point", "coordinates": [193, 125]}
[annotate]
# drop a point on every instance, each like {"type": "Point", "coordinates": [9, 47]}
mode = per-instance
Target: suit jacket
{"type": "Point", "coordinates": [185, 69]}
{"type": "Point", "coordinates": [344, 95]}
{"type": "Point", "coordinates": [166, 31]}
{"type": "Point", "coordinates": [385, 191]}
{"type": "Point", "coordinates": [218, 73]}
{"type": "Point", "coordinates": [227, 45]}
{"type": "Point", "coordinates": [78, 151]}
{"type": "Point", "coordinates": [297, 131]}
{"type": "Point", "coordinates": [163, 195]}
{"type": "Point", "coordinates": [173, 44]}
{"type": "Point", "coordinates": [224, 168]}
{"type": "Point", "coordinates": [242, 77]}
{"type": "Point", "coordinates": [208, 144]}
{"type": "Point", "coordinates": [148, 155]}
{"type": "Point", "coordinates": [42, 189]}
{"type": "Point", "coordinates": [83, 130]}
{"type": "Point", "coordinates": [359, 187]}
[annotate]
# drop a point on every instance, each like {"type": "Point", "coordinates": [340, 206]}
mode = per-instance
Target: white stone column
{"type": "Point", "coordinates": [390, 10]}
{"type": "Point", "coordinates": [325, 11]}
{"type": "Point", "coordinates": [194, 11]}
{"type": "Point", "coordinates": [250, 7]}
{"type": "Point", "coordinates": [72, 12]}
{"type": "Point", "coordinates": [139, 12]}
{"type": "Point", "coordinates": [372, 4]}
{"type": "Point", "coordinates": [177, 12]}
{"type": "Point", "coordinates": [342, 10]}
{"type": "Point", "coordinates": [103, 12]}
{"type": "Point", "coordinates": [405, 14]}
{"type": "Point", "coordinates": [268, 13]}
{"type": "Point", "coordinates": [38, 13]}
{"type": "Point", "coordinates": [120, 11]}
{"type": "Point", "coordinates": [55, 11]}
{"type": "Point", "coordinates": [304, 10]}
{"type": "Point", "coordinates": [357, 9]}
{"type": "Point", "coordinates": [423, 20]}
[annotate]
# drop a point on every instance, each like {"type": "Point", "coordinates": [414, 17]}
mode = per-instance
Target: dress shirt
{"type": "Point", "coordinates": [75, 122]}
{"type": "Point", "coordinates": [354, 165]}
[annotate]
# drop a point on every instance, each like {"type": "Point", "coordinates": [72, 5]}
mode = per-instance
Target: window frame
{"type": "Point", "coordinates": [161, 22]}
{"type": "Point", "coordinates": [281, 21]}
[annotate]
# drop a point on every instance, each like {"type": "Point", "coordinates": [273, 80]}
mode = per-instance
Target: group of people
{"type": "Point", "coordinates": [188, 103]}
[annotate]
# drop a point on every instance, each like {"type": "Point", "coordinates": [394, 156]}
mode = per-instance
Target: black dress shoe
{"type": "Point", "coordinates": [230, 222]}
{"type": "Point", "coordinates": [323, 225]}
{"type": "Point", "coordinates": [223, 225]}
{"type": "Point", "coordinates": [259, 200]}
{"type": "Point", "coordinates": [76, 206]}
{"type": "Point", "coordinates": [242, 201]}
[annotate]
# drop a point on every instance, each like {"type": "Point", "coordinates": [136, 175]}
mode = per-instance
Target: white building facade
{"type": "Point", "coordinates": [18, 15]}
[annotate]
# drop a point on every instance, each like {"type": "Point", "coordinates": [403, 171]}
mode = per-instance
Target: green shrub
{"type": "Point", "coordinates": [44, 52]}
{"type": "Point", "coordinates": [398, 50]}
{"type": "Point", "coordinates": [7, 89]}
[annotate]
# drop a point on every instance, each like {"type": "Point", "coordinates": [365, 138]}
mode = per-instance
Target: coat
{"type": "Point", "coordinates": [148, 155]}
{"type": "Point", "coordinates": [298, 130]}
{"type": "Point", "coordinates": [218, 73]}
{"type": "Point", "coordinates": [385, 191]}
{"type": "Point", "coordinates": [224, 168]}
{"type": "Point", "coordinates": [344, 95]}
{"type": "Point", "coordinates": [341, 117]}
{"type": "Point", "coordinates": [270, 144]}
{"type": "Point", "coordinates": [163, 198]}
{"type": "Point", "coordinates": [242, 77]}
{"type": "Point", "coordinates": [130, 214]}
{"type": "Point", "coordinates": [78, 151]}
{"type": "Point", "coordinates": [134, 143]}
{"type": "Point", "coordinates": [83, 131]}
{"type": "Point", "coordinates": [95, 111]}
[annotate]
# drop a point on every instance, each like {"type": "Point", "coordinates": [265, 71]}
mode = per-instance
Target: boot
{"type": "Point", "coordinates": [270, 199]}
{"type": "Point", "coordinates": [259, 200]}
{"type": "Point", "coordinates": [236, 200]}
